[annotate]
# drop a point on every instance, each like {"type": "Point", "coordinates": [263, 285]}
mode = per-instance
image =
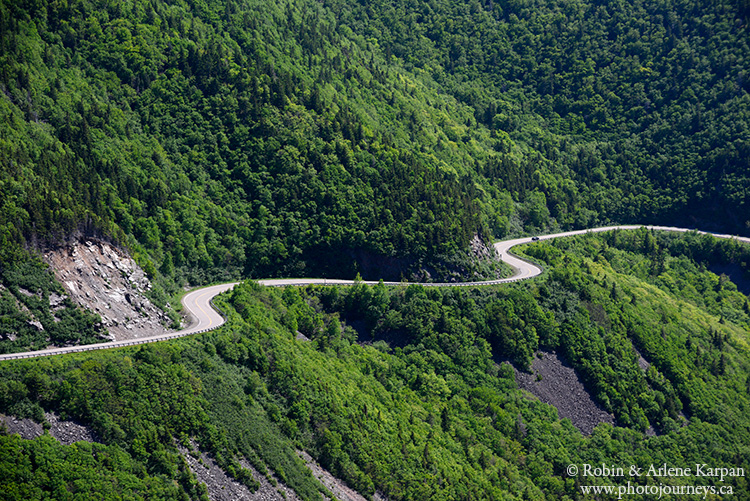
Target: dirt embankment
{"type": "Point", "coordinates": [104, 280]}
{"type": "Point", "coordinates": [556, 383]}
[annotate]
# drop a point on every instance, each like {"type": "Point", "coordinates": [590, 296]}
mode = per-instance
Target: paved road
{"type": "Point", "coordinates": [196, 303]}
{"type": "Point", "coordinates": [205, 318]}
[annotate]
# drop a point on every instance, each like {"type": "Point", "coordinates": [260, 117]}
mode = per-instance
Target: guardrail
{"type": "Point", "coordinates": [188, 332]}
{"type": "Point", "coordinates": [101, 346]}
{"type": "Point", "coordinates": [176, 335]}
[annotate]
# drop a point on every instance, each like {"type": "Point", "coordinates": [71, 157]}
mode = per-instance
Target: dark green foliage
{"type": "Point", "coordinates": [417, 402]}
{"type": "Point", "coordinates": [179, 133]}
{"type": "Point", "coordinates": [442, 342]}
{"type": "Point", "coordinates": [643, 104]}
{"type": "Point", "coordinates": [141, 401]}
{"type": "Point", "coordinates": [217, 139]}
{"type": "Point", "coordinates": [44, 469]}
{"type": "Point", "coordinates": [27, 319]}
{"type": "Point", "coordinates": [676, 318]}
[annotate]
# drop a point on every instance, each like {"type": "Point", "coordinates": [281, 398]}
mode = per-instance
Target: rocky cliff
{"type": "Point", "coordinates": [106, 281]}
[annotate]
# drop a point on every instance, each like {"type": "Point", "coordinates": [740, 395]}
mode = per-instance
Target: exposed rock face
{"type": "Point", "coordinates": [106, 281]}
{"type": "Point", "coordinates": [66, 432]}
{"type": "Point", "coordinates": [221, 487]}
{"type": "Point", "coordinates": [69, 432]}
{"type": "Point", "coordinates": [25, 427]}
{"type": "Point", "coordinates": [337, 487]}
{"type": "Point", "coordinates": [557, 384]}
{"type": "Point", "coordinates": [642, 362]}
{"type": "Point", "coordinates": [32, 320]}
{"type": "Point", "coordinates": [478, 261]}
{"type": "Point", "coordinates": [478, 250]}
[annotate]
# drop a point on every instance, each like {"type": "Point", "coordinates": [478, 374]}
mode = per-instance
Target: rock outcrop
{"type": "Point", "coordinates": [221, 487]}
{"type": "Point", "coordinates": [106, 281]}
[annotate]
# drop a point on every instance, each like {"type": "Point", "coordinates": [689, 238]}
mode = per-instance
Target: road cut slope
{"type": "Point", "coordinates": [197, 303]}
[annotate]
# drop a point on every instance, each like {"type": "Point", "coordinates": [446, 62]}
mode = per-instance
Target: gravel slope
{"type": "Point", "coordinates": [556, 383]}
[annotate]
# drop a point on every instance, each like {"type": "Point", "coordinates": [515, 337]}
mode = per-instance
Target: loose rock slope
{"type": "Point", "coordinates": [556, 383]}
{"type": "Point", "coordinates": [106, 281]}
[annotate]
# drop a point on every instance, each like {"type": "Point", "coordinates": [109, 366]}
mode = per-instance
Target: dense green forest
{"type": "Point", "coordinates": [219, 139]}
{"type": "Point", "coordinates": [408, 390]}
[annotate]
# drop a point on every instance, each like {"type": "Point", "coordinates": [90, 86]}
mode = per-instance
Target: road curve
{"type": "Point", "coordinates": [204, 317]}
{"type": "Point", "coordinates": [197, 304]}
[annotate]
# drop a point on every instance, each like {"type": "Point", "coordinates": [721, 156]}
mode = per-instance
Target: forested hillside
{"type": "Point", "coordinates": [419, 401]}
{"type": "Point", "coordinates": [642, 104]}
{"type": "Point", "coordinates": [216, 140]}
{"type": "Point", "coordinates": [223, 141]}
{"type": "Point", "coordinates": [262, 138]}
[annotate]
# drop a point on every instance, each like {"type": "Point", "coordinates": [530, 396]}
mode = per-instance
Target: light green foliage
{"type": "Point", "coordinates": [404, 390]}
{"type": "Point", "coordinates": [44, 469]}
{"type": "Point", "coordinates": [217, 140]}
{"type": "Point", "coordinates": [651, 292]}
{"type": "Point", "coordinates": [254, 138]}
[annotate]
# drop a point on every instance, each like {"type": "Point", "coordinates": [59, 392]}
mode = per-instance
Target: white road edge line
{"type": "Point", "coordinates": [198, 302]}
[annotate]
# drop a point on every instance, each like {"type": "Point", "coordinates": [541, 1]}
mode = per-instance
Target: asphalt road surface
{"type": "Point", "coordinates": [204, 317]}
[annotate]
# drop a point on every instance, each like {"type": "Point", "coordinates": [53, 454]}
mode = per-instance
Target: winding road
{"type": "Point", "coordinates": [197, 303]}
